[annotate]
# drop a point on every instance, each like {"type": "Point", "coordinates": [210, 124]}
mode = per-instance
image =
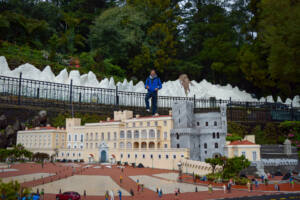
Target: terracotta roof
{"type": "Point", "coordinates": [243, 142]}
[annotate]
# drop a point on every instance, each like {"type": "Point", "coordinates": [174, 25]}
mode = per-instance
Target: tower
{"type": "Point", "coordinates": [183, 114]}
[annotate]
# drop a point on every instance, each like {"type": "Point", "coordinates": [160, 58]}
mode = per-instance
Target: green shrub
{"type": "Point", "coordinates": [241, 181]}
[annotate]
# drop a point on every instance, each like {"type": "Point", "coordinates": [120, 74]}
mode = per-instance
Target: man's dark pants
{"type": "Point", "coordinates": [153, 96]}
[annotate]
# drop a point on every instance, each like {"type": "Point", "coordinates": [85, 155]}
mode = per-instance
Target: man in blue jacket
{"type": "Point", "coordinates": [153, 84]}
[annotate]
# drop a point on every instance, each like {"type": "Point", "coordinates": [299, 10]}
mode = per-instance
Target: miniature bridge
{"type": "Point", "coordinates": [55, 96]}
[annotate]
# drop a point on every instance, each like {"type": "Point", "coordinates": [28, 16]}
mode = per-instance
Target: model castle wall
{"type": "Point", "coordinates": [203, 133]}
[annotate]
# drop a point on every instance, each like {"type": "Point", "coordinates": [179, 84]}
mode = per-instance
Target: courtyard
{"type": "Point", "coordinates": [96, 179]}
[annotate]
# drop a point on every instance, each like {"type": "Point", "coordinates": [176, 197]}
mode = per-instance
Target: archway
{"type": "Point", "coordinates": [151, 145]}
{"type": "Point", "coordinates": [216, 155]}
{"type": "Point", "coordinates": [144, 145]}
{"type": "Point", "coordinates": [103, 156]}
{"type": "Point", "coordinates": [136, 145]}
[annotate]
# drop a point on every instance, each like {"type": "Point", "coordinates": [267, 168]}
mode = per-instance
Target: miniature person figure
{"type": "Point", "coordinates": [224, 188]}
{"type": "Point", "coordinates": [112, 195]}
{"type": "Point", "coordinates": [138, 187]}
{"type": "Point", "coordinates": [210, 188]}
{"type": "Point", "coordinates": [84, 194]}
{"type": "Point", "coordinates": [42, 193]}
{"type": "Point", "coordinates": [131, 192]}
{"type": "Point", "coordinates": [153, 84]}
{"type": "Point", "coordinates": [160, 193]}
{"type": "Point", "coordinates": [120, 194]}
{"type": "Point", "coordinates": [106, 195]}
{"type": "Point", "coordinates": [142, 187]}
{"type": "Point", "coordinates": [121, 179]}
{"type": "Point", "coordinates": [248, 186]}
{"type": "Point", "coordinates": [196, 189]}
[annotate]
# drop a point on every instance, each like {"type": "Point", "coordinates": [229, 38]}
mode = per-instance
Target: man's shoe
{"type": "Point", "coordinates": [148, 110]}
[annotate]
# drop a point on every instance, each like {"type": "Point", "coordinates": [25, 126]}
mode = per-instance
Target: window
{"type": "Point", "coordinates": [115, 135]}
{"type": "Point", "coordinates": [214, 135]}
{"type": "Point", "coordinates": [129, 145]}
{"type": "Point", "coordinates": [206, 123]}
{"type": "Point", "coordinates": [165, 123]}
{"type": "Point", "coordinates": [121, 145]}
{"type": "Point", "coordinates": [108, 136]}
{"type": "Point", "coordinates": [75, 138]}
{"type": "Point", "coordinates": [96, 145]}
{"type": "Point", "coordinates": [152, 133]}
{"type": "Point", "coordinates": [135, 155]}
{"type": "Point", "coordinates": [216, 145]}
{"type": "Point", "coordinates": [141, 123]}
{"type": "Point", "coordinates": [96, 136]}
{"type": "Point", "coordinates": [167, 156]}
{"type": "Point", "coordinates": [155, 123]}
{"type": "Point", "coordinates": [166, 146]}
{"type": "Point", "coordinates": [159, 156]}
{"type": "Point", "coordinates": [182, 156]}
{"type": "Point", "coordinates": [121, 155]}
{"type": "Point", "coordinates": [148, 123]}
{"type": "Point", "coordinates": [205, 152]}
{"type": "Point", "coordinates": [136, 134]}
{"type": "Point", "coordinates": [79, 154]}
{"type": "Point", "coordinates": [128, 155]}
{"type": "Point", "coordinates": [144, 134]}
{"type": "Point", "coordinates": [151, 156]}
{"type": "Point", "coordinates": [215, 123]}
{"type": "Point", "coordinates": [102, 136]}
{"type": "Point", "coordinates": [205, 146]}
{"type": "Point", "coordinates": [218, 135]}
{"type": "Point", "coordinates": [174, 156]}
{"type": "Point", "coordinates": [81, 146]}
{"type": "Point", "coordinates": [179, 120]}
{"type": "Point", "coordinates": [178, 146]}
{"type": "Point", "coordinates": [254, 155]}
{"type": "Point", "coordinates": [81, 138]}
{"type": "Point", "coordinates": [165, 135]}
{"type": "Point", "coordinates": [244, 153]}
{"type": "Point", "coordinates": [198, 123]}
{"type": "Point", "coordinates": [158, 134]}
{"type": "Point", "coordinates": [133, 124]}
{"type": "Point", "coordinates": [179, 111]}
{"type": "Point", "coordinates": [68, 154]}
{"type": "Point", "coordinates": [129, 135]}
{"type": "Point", "coordinates": [143, 155]}
{"type": "Point", "coordinates": [177, 136]}
{"type": "Point", "coordinates": [73, 154]}
{"type": "Point", "coordinates": [62, 154]}
{"type": "Point", "coordinates": [69, 137]}
{"type": "Point", "coordinates": [91, 136]}
{"type": "Point", "coordinates": [122, 134]}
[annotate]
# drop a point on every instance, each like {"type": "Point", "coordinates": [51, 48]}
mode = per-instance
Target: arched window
{"type": "Point", "coordinates": [178, 146]}
{"type": "Point", "coordinates": [129, 135]}
{"type": "Point", "coordinates": [102, 136]}
{"type": "Point", "coordinates": [69, 137]}
{"type": "Point", "coordinates": [75, 137]}
{"type": "Point", "coordinates": [129, 145]}
{"type": "Point", "coordinates": [216, 145]}
{"type": "Point", "coordinates": [144, 134]}
{"type": "Point", "coordinates": [91, 136]}
{"type": "Point", "coordinates": [122, 134]}
{"type": "Point", "coordinates": [206, 123]}
{"type": "Point", "coordinates": [214, 135]}
{"type": "Point", "coordinates": [215, 123]}
{"type": "Point", "coordinates": [81, 138]}
{"type": "Point", "coordinates": [152, 133]}
{"type": "Point", "coordinates": [121, 145]}
{"type": "Point", "coordinates": [218, 135]}
{"type": "Point", "coordinates": [205, 146]}
{"type": "Point", "coordinates": [136, 134]}
{"type": "Point", "coordinates": [177, 136]}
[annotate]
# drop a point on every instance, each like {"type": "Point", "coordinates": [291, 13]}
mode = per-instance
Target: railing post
{"type": "Point", "coordinates": [194, 101]}
{"type": "Point", "coordinates": [19, 92]}
{"type": "Point", "coordinates": [38, 93]}
{"type": "Point", "coordinates": [116, 97]}
{"type": "Point", "coordinates": [292, 112]}
{"type": "Point", "coordinates": [71, 100]}
{"type": "Point", "coordinates": [230, 107]}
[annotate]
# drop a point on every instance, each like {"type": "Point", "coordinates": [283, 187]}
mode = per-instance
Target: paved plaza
{"type": "Point", "coordinates": [7, 170]}
{"type": "Point", "coordinates": [26, 177]}
{"type": "Point", "coordinates": [168, 187]}
{"type": "Point", "coordinates": [169, 176]}
{"type": "Point", "coordinates": [94, 185]}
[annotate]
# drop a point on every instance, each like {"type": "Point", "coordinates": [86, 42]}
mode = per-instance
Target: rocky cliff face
{"type": "Point", "coordinates": [11, 121]}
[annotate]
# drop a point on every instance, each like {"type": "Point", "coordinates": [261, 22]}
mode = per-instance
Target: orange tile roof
{"type": "Point", "coordinates": [243, 142]}
{"type": "Point", "coordinates": [43, 128]}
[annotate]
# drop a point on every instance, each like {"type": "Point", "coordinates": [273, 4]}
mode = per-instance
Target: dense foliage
{"type": "Point", "coordinates": [17, 153]}
{"type": "Point", "coordinates": [12, 190]}
{"type": "Point", "coordinates": [253, 44]}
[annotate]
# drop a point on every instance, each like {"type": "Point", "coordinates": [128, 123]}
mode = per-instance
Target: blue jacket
{"type": "Point", "coordinates": [153, 83]}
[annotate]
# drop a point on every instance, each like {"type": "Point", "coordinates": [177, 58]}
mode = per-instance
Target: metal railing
{"type": "Point", "coordinates": [20, 91]}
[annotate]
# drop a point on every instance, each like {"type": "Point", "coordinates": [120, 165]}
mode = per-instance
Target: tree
{"type": "Point", "coordinates": [233, 166]}
{"type": "Point", "coordinates": [12, 190]}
